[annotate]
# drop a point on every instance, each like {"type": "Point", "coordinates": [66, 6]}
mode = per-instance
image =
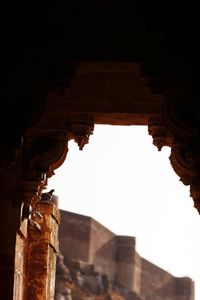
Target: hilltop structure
{"type": "Point", "coordinates": [101, 262]}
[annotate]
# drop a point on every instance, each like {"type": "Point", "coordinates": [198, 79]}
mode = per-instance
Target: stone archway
{"type": "Point", "coordinates": [45, 143]}
{"type": "Point", "coordinates": [61, 75]}
{"type": "Point", "coordinates": [121, 98]}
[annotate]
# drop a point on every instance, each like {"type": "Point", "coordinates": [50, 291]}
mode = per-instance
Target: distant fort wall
{"type": "Point", "coordinates": [84, 239]}
{"type": "Point", "coordinates": [74, 236]}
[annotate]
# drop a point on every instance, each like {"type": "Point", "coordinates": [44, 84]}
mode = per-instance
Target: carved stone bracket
{"type": "Point", "coordinates": [169, 129]}
{"type": "Point", "coordinates": [45, 151]}
{"type": "Point", "coordinates": [186, 164]}
{"type": "Point", "coordinates": [183, 138]}
{"type": "Point", "coordinates": [79, 127]}
{"type": "Point", "coordinates": [182, 165]}
{"type": "Point", "coordinates": [159, 132]}
{"type": "Point", "coordinates": [43, 154]}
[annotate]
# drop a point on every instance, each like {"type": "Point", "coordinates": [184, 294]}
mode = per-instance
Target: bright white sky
{"type": "Point", "coordinates": [122, 181]}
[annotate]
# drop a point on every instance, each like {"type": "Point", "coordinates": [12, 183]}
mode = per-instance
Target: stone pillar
{"type": "Point", "coordinates": [42, 251]}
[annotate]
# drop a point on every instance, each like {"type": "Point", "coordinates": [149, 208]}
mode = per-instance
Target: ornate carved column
{"type": "Point", "coordinates": [44, 151]}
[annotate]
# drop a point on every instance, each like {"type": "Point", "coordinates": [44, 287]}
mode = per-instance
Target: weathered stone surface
{"type": "Point", "coordinates": [42, 250]}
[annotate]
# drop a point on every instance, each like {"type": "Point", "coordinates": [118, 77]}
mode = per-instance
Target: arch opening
{"type": "Point", "coordinates": [122, 182]}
